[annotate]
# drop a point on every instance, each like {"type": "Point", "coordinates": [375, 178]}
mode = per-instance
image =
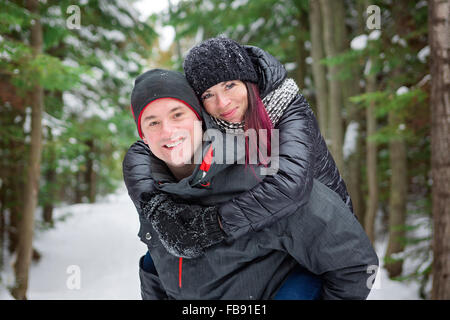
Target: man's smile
{"type": "Point", "coordinates": [174, 144]}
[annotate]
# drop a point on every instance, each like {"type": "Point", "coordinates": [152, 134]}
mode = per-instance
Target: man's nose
{"type": "Point", "coordinates": [167, 130]}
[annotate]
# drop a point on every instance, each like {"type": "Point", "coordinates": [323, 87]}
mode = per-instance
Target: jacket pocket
{"type": "Point", "coordinates": [151, 287]}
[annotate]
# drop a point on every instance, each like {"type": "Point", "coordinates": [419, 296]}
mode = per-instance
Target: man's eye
{"type": "Point", "coordinates": [178, 114]}
{"type": "Point", "coordinates": [152, 124]}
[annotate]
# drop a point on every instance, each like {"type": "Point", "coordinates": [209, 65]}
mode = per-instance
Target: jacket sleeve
{"type": "Point", "coordinates": [136, 168]}
{"type": "Point", "coordinates": [282, 193]}
{"type": "Point", "coordinates": [329, 241]}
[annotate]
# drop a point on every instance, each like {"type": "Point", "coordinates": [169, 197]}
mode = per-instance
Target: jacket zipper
{"type": "Point", "coordinates": [206, 164]}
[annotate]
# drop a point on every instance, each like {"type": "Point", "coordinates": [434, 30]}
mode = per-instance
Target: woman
{"type": "Point", "coordinates": [217, 69]}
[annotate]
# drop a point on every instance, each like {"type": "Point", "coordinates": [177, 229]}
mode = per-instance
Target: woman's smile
{"type": "Point", "coordinates": [228, 114]}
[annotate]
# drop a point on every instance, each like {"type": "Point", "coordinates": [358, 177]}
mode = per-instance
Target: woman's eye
{"type": "Point", "coordinates": [152, 124]}
{"type": "Point", "coordinates": [206, 96]}
{"type": "Point", "coordinates": [230, 85]}
{"type": "Point", "coordinates": [178, 114]}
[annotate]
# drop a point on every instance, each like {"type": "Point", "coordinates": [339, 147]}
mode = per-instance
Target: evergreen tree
{"type": "Point", "coordinates": [90, 53]}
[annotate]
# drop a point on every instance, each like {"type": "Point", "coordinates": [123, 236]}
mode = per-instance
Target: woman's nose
{"type": "Point", "coordinates": [223, 100]}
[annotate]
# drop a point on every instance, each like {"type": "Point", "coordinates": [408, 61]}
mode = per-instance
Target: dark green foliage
{"type": "Point", "coordinates": [87, 75]}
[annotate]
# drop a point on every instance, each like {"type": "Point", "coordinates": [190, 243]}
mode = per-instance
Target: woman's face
{"type": "Point", "coordinates": [226, 100]}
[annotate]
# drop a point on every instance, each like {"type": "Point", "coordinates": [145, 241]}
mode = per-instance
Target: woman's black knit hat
{"type": "Point", "coordinates": [156, 84]}
{"type": "Point", "coordinates": [216, 60]}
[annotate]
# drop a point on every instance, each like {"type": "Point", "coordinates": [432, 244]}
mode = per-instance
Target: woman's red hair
{"type": "Point", "coordinates": [256, 118]}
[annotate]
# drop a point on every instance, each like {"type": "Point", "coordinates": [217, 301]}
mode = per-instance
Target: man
{"type": "Point", "coordinates": [323, 236]}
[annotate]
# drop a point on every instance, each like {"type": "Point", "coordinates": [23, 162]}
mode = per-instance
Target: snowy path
{"type": "Point", "coordinates": [101, 241]}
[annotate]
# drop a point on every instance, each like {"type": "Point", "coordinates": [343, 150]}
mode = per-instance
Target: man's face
{"type": "Point", "coordinates": [172, 131]}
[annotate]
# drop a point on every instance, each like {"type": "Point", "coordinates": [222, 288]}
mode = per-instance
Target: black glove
{"type": "Point", "coordinates": [185, 230]}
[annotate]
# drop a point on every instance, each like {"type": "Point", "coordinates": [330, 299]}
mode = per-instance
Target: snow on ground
{"type": "Point", "coordinates": [387, 289]}
{"type": "Point", "coordinates": [99, 243]}
{"type": "Point", "coordinates": [383, 287]}
{"type": "Point", "coordinates": [100, 240]}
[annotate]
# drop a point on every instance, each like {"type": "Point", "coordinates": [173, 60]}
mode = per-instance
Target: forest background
{"type": "Point", "coordinates": [376, 74]}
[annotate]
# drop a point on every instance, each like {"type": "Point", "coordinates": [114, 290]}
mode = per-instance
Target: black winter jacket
{"type": "Point", "coordinates": [322, 236]}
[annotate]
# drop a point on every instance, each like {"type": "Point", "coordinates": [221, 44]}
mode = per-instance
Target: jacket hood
{"type": "Point", "coordinates": [271, 72]}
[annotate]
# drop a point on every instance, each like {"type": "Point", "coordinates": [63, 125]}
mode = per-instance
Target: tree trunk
{"type": "Point", "coordinates": [335, 98]}
{"type": "Point", "coordinates": [177, 40]}
{"type": "Point", "coordinates": [301, 61]}
{"type": "Point", "coordinates": [439, 39]}
{"type": "Point", "coordinates": [17, 183]}
{"type": "Point", "coordinates": [2, 225]}
{"type": "Point", "coordinates": [79, 187]}
{"type": "Point", "coordinates": [90, 176]}
{"type": "Point", "coordinates": [47, 213]}
{"type": "Point", "coordinates": [318, 69]}
{"type": "Point", "coordinates": [50, 178]}
{"type": "Point", "coordinates": [24, 248]}
{"type": "Point", "coordinates": [354, 162]}
{"type": "Point", "coordinates": [356, 179]}
{"type": "Point", "coordinates": [3, 199]}
{"type": "Point", "coordinates": [397, 198]}
{"type": "Point", "coordinates": [12, 162]}
{"type": "Point", "coordinates": [371, 159]}
{"type": "Point", "coordinates": [301, 51]}
{"type": "Point", "coordinates": [340, 31]}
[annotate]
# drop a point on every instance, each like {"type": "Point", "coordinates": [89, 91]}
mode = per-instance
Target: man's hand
{"type": "Point", "coordinates": [185, 230]}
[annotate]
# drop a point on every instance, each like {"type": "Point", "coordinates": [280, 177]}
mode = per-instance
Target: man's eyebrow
{"type": "Point", "coordinates": [153, 117]}
{"type": "Point", "coordinates": [175, 109]}
{"type": "Point", "coordinates": [148, 118]}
